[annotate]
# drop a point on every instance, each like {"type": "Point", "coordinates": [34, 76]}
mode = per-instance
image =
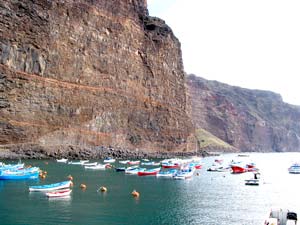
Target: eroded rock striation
{"type": "Point", "coordinates": [88, 74]}
{"type": "Point", "coordinates": [250, 120]}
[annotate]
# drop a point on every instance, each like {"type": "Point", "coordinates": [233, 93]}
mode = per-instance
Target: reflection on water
{"type": "Point", "coordinates": [210, 198]}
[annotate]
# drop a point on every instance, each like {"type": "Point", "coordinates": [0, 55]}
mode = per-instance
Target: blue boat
{"type": "Point", "coordinates": [31, 173]}
{"type": "Point", "coordinates": [51, 187]}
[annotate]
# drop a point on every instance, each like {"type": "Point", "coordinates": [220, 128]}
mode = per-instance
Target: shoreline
{"type": "Point", "coordinates": [75, 152]}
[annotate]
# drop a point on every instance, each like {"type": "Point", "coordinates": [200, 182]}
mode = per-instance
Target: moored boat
{"type": "Point", "coordinates": [295, 168]}
{"type": "Point", "coordinates": [59, 194]}
{"type": "Point", "coordinates": [134, 170]}
{"type": "Point", "coordinates": [31, 173]}
{"type": "Point", "coordinates": [166, 173]}
{"type": "Point", "coordinates": [51, 187]}
{"type": "Point", "coordinates": [62, 160]}
{"type": "Point", "coordinates": [96, 167]}
{"type": "Point", "coordinates": [150, 172]}
{"type": "Point", "coordinates": [184, 174]}
{"type": "Point", "coordinates": [109, 160]}
{"type": "Point", "coordinates": [90, 164]}
{"type": "Point", "coordinates": [133, 162]}
{"type": "Point", "coordinates": [281, 217]}
{"type": "Point", "coordinates": [81, 162]}
{"type": "Point", "coordinates": [120, 169]}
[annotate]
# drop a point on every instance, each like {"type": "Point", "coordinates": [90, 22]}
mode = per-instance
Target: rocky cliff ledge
{"type": "Point", "coordinates": [92, 73]}
{"type": "Point", "coordinates": [250, 120]}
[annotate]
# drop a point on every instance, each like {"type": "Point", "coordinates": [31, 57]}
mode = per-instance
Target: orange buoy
{"type": "Point", "coordinates": [70, 177]}
{"type": "Point", "coordinates": [135, 194]}
{"type": "Point", "coordinates": [83, 186]}
{"type": "Point", "coordinates": [43, 176]}
{"type": "Point", "coordinates": [103, 189]}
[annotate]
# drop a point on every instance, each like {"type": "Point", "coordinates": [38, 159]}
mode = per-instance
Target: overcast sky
{"type": "Point", "coordinates": [249, 43]}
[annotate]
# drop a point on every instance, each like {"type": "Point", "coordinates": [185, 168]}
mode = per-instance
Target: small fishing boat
{"type": "Point", "coordinates": [109, 160]}
{"type": "Point", "coordinates": [96, 167]}
{"type": "Point", "coordinates": [170, 165]}
{"type": "Point", "coordinates": [133, 162]}
{"type": "Point", "coordinates": [59, 194]}
{"type": "Point", "coordinates": [90, 164]}
{"type": "Point", "coordinates": [12, 167]}
{"type": "Point", "coordinates": [62, 160]}
{"type": "Point", "coordinates": [184, 174]}
{"type": "Point", "coordinates": [166, 173]}
{"type": "Point", "coordinates": [134, 170]}
{"type": "Point", "coordinates": [81, 162]}
{"type": "Point", "coordinates": [120, 169]}
{"type": "Point", "coordinates": [51, 187]}
{"type": "Point", "coordinates": [295, 168]}
{"type": "Point", "coordinates": [281, 217]}
{"type": "Point", "coordinates": [31, 173]}
{"type": "Point", "coordinates": [150, 172]}
{"type": "Point", "coordinates": [150, 163]}
{"type": "Point", "coordinates": [124, 161]}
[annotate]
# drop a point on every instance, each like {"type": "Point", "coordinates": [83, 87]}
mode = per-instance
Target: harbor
{"type": "Point", "coordinates": [206, 198]}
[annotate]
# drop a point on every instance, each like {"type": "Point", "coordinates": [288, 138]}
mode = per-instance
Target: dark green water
{"type": "Point", "coordinates": [209, 199]}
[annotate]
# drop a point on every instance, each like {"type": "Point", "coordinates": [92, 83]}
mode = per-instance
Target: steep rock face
{"type": "Point", "coordinates": [250, 120]}
{"type": "Point", "coordinates": [90, 73]}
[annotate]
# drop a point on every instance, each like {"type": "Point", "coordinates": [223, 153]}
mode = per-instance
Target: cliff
{"type": "Point", "coordinates": [87, 73]}
{"type": "Point", "coordinates": [249, 120]}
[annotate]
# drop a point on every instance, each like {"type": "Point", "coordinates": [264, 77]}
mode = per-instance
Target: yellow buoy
{"type": "Point", "coordinates": [83, 186]}
{"type": "Point", "coordinates": [43, 176]}
{"type": "Point", "coordinates": [70, 177]}
{"type": "Point", "coordinates": [103, 189]}
{"type": "Point", "coordinates": [135, 194]}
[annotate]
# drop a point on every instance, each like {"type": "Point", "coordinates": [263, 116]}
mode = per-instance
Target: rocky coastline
{"type": "Point", "coordinates": [77, 153]}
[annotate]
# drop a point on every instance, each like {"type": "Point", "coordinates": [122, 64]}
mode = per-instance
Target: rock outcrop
{"type": "Point", "coordinates": [250, 120]}
{"type": "Point", "coordinates": [90, 73]}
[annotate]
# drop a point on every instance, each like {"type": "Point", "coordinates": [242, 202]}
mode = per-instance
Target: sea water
{"type": "Point", "coordinates": [209, 198]}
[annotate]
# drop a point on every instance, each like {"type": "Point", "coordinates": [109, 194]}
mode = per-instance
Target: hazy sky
{"type": "Point", "coordinates": [249, 43]}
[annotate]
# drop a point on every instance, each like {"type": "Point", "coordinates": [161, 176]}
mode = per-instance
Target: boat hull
{"type": "Point", "coordinates": [34, 175]}
{"type": "Point", "coordinates": [50, 187]}
{"type": "Point", "coordinates": [59, 194]}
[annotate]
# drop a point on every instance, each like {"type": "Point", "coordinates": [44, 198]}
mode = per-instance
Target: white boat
{"type": "Point", "coordinates": [81, 162]}
{"type": "Point", "coordinates": [166, 173]}
{"type": "Point", "coordinates": [184, 174]}
{"type": "Point", "coordinates": [134, 162]}
{"type": "Point", "coordinates": [59, 194]}
{"type": "Point", "coordinates": [96, 167]}
{"type": "Point", "coordinates": [62, 160]}
{"type": "Point", "coordinates": [124, 161]}
{"type": "Point", "coordinates": [109, 160]}
{"type": "Point", "coordinates": [281, 217]}
{"type": "Point", "coordinates": [295, 168]}
{"type": "Point", "coordinates": [253, 181]}
{"type": "Point", "coordinates": [90, 164]}
{"type": "Point", "coordinates": [51, 187]}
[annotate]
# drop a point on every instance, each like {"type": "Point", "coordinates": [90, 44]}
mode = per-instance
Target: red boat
{"type": "Point", "coordinates": [238, 169]}
{"type": "Point", "coordinates": [151, 172]}
{"type": "Point", "coordinates": [170, 166]}
{"type": "Point", "coordinates": [198, 166]}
